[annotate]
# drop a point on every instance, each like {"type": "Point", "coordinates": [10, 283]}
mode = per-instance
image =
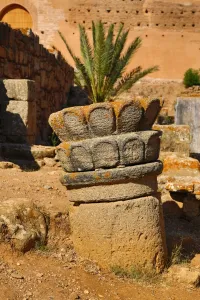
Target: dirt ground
{"type": "Point", "coordinates": [54, 273]}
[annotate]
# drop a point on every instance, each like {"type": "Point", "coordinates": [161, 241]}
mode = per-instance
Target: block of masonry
{"type": "Point", "coordinates": [109, 154]}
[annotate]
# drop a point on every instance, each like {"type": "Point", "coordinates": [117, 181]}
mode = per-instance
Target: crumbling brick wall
{"type": "Point", "coordinates": [23, 57]}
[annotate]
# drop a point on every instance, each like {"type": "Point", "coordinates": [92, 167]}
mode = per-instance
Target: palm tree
{"type": "Point", "coordinates": [101, 70]}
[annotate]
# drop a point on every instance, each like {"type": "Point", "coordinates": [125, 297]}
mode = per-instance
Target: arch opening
{"type": "Point", "coordinates": [17, 17]}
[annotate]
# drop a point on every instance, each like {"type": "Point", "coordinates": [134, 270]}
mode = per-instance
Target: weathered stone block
{"type": "Point", "coordinates": [187, 113]}
{"type": "Point", "coordinates": [70, 124]}
{"type": "Point", "coordinates": [81, 158]}
{"type": "Point", "coordinates": [131, 149]}
{"type": "Point", "coordinates": [175, 138]}
{"type": "Point", "coordinates": [181, 165]}
{"type": "Point", "coordinates": [19, 121]}
{"type": "Point", "coordinates": [75, 157]}
{"type": "Point", "coordinates": [124, 233]}
{"type": "Point", "coordinates": [151, 108]}
{"type": "Point", "coordinates": [112, 175]}
{"type": "Point", "coordinates": [57, 123]}
{"type": "Point", "coordinates": [101, 119]}
{"type": "Point", "coordinates": [184, 275]}
{"type": "Point", "coordinates": [128, 115]}
{"type": "Point", "coordinates": [124, 190]}
{"type": "Point", "coordinates": [151, 140]}
{"type": "Point", "coordinates": [20, 89]}
{"type": "Point", "coordinates": [105, 152]}
{"type": "Point", "coordinates": [75, 124]}
{"type": "Point", "coordinates": [108, 152]}
{"type": "Point", "coordinates": [63, 154]}
{"type": "Point", "coordinates": [18, 115]}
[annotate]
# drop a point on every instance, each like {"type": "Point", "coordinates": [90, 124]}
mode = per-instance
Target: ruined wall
{"type": "Point", "coordinates": [23, 57]}
{"type": "Point", "coordinates": [169, 28]}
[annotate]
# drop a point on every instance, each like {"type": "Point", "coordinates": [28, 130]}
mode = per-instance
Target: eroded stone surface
{"type": "Point", "coordinates": [111, 175]}
{"type": "Point", "coordinates": [22, 224]}
{"type": "Point", "coordinates": [179, 165]}
{"type": "Point", "coordinates": [75, 157]}
{"type": "Point", "coordinates": [151, 108]}
{"type": "Point", "coordinates": [101, 119]}
{"type": "Point", "coordinates": [128, 115]}
{"type": "Point", "coordinates": [108, 152]}
{"type": "Point", "coordinates": [105, 153]}
{"type": "Point", "coordinates": [187, 113]}
{"type": "Point", "coordinates": [18, 111]}
{"type": "Point", "coordinates": [20, 89]}
{"type": "Point", "coordinates": [81, 158]}
{"type": "Point", "coordinates": [106, 176]}
{"type": "Point", "coordinates": [57, 123]}
{"type": "Point", "coordinates": [128, 233]}
{"type": "Point", "coordinates": [184, 274]}
{"type": "Point", "coordinates": [151, 140]}
{"type": "Point", "coordinates": [124, 190]}
{"type": "Point", "coordinates": [75, 124]}
{"type": "Point", "coordinates": [104, 119]}
{"type": "Point", "coordinates": [175, 138]}
{"type": "Point", "coordinates": [131, 149]}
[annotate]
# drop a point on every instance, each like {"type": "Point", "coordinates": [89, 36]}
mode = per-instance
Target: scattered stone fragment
{"type": "Point", "coordinates": [48, 187]}
{"type": "Point", "coordinates": [17, 275]}
{"type": "Point", "coordinates": [22, 224]}
{"type": "Point", "coordinates": [184, 275]}
{"type": "Point", "coordinates": [49, 162]}
{"type": "Point", "coordinates": [195, 262]}
{"type": "Point", "coordinates": [74, 296]}
{"type": "Point", "coordinates": [39, 275]}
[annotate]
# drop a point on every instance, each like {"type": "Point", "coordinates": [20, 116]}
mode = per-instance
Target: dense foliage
{"type": "Point", "coordinates": [101, 70]}
{"type": "Point", "coordinates": [191, 77]}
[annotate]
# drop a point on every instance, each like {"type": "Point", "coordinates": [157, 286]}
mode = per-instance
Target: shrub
{"type": "Point", "coordinates": [191, 77]}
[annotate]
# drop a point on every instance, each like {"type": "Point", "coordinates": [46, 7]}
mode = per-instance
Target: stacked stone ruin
{"type": "Point", "coordinates": [110, 159]}
{"type": "Point", "coordinates": [22, 57]}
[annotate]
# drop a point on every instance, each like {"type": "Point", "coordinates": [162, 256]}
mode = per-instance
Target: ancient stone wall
{"type": "Point", "coordinates": [17, 111]}
{"type": "Point", "coordinates": [23, 57]}
{"type": "Point", "coordinates": [169, 28]}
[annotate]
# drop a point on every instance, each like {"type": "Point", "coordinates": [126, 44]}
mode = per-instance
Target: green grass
{"type": "Point", "coordinates": [136, 273]}
{"type": "Point", "coordinates": [177, 257]}
{"type": "Point", "coordinates": [41, 247]}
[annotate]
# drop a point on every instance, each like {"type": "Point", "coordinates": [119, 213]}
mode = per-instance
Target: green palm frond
{"type": "Point", "coordinates": [102, 65]}
{"type": "Point", "coordinates": [99, 47]}
{"type": "Point", "coordinates": [131, 78]}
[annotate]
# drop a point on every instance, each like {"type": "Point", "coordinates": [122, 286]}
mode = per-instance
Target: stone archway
{"type": "Point", "coordinates": [27, 5]}
{"type": "Point", "coordinates": [16, 16]}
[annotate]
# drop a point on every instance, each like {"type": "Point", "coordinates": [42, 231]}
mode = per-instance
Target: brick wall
{"type": "Point", "coordinates": [169, 28]}
{"type": "Point", "coordinates": [23, 57]}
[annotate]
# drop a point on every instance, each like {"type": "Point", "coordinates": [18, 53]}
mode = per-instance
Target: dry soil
{"type": "Point", "coordinates": [55, 273]}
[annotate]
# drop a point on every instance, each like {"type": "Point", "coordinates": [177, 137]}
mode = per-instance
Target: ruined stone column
{"type": "Point", "coordinates": [188, 113]}
{"type": "Point", "coordinates": [109, 154]}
